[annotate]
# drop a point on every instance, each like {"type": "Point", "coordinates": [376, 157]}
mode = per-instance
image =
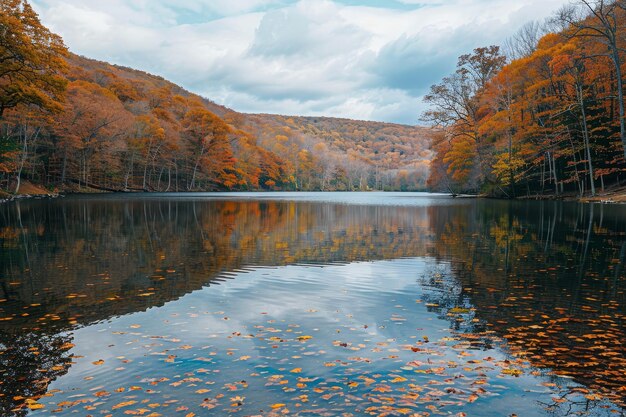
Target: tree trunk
{"type": "Point", "coordinates": [543, 176]}
{"type": "Point", "coordinates": [511, 173]}
{"type": "Point", "coordinates": [160, 176]}
{"type": "Point", "coordinates": [195, 170]}
{"type": "Point", "coordinates": [581, 101]}
{"type": "Point", "coordinates": [620, 97]}
{"type": "Point", "coordinates": [129, 170]}
{"type": "Point", "coordinates": [64, 169]}
{"type": "Point", "coordinates": [177, 185]}
{"type": "Point", "coordinates": [553, 177]}
{"type": "Point", "coordinates": [24, 155]}
{"type": "Point", "coordinates": [145, 173]}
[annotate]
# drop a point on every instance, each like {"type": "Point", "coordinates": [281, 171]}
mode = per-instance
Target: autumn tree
{"type": "Point", "coordinates": [31, 60]}
{"type": "Point", "coordinates": [604, 23]}
{"type": "Point", "coordinates": [88, 132]}
{"type": "Point", "coordinates": [498, 99]}
{"type": "Point", "coordinates": [455, 107]}
{"type": "Point", "coordinates": [27, 127]}
{"type": "Point", "coordinates": [211, 149]}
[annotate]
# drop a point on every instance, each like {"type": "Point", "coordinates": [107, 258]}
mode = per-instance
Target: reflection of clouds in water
{"type": "Point", "coordinates": [325, 301]}
{"type": "Point", "coordinates": [285, 293]}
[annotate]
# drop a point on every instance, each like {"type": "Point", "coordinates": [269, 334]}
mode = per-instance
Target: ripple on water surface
{"type": "Point", "coordinates": [353, 339]}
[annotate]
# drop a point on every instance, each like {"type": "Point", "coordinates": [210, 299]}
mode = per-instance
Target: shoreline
{"type": "Point", "coordinates": [10, 198]}
{"type": "Point", "coordinates": [615, 196]}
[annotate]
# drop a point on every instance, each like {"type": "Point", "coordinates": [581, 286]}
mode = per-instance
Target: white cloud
{"type": "Point", "coordinates": [292, 57]}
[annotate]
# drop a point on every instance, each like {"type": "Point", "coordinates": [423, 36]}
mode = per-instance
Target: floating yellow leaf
{"type": "Point", "coordinates": [123, 404]}
{"type": "Point", "coordinates": [513, 372]}
{"type": "Point", "coordinates": [33, 405]}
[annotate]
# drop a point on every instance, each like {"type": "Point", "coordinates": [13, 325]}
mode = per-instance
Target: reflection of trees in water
{"type": "Point", "coordinates": [549, 278]}
{"type": "Point", "coordinates": [572, 402]}
{"type": "Point", "coordinates": [94, 259]}
{"type": "Point", "coordinates": [28, 364]}
{"type": "Point", "coordinates": [451, 301]}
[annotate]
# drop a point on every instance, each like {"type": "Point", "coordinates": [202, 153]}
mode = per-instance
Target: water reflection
{"type": "Point", "coordinates": [546, 277]}
{"type": "Point", "coordinates": [549, 278]}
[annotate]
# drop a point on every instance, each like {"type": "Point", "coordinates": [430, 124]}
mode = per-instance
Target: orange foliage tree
{"type": "Point", "coordinates": [31, 59]}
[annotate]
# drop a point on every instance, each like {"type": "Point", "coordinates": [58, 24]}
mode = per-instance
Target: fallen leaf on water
{"type": "Point", "coordinates": [33, 405]}
{"type": "Point", "coordinates": [513, 372]}
{"type": "Point", "coordinates": [123, 404]}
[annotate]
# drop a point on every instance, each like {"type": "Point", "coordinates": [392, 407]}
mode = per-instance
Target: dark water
{"type": "Point", "coordinates": [311, 304]}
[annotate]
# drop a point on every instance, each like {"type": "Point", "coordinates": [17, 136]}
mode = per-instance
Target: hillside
{"type": "Point", "coordinates": [354, 154]}
{"type": "Point", "coordinates": [111, 128]}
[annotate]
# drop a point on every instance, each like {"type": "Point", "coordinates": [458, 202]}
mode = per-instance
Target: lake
{"type": "Point", "coordinates": [311, 304]}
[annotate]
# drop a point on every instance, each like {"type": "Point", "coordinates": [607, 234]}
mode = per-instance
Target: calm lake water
{"type": "Point", "coordinates": [315, 304]}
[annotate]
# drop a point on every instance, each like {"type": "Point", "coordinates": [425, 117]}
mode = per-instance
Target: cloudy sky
{"type": "Point", "coordinates": [362, 59]}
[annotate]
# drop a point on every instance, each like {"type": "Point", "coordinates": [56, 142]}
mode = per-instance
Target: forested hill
{"type": "Point", "coordinates": [95, 126]}
{"type": "Point", "coordinates": [361, 154]}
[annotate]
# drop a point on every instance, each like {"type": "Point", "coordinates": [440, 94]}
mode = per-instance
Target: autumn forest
{"type": "Point", "coordinates": [541, 115]}
{"type": "Point", "coordinates": [544, 114]}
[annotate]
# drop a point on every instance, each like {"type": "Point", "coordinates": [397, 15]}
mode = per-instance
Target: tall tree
{"type": "Point", "coordinates": [208, 138]}
{"type": "Point", "coordinates": [456, 109]}
{"type": "Point", "coordinates": [31, 59]}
